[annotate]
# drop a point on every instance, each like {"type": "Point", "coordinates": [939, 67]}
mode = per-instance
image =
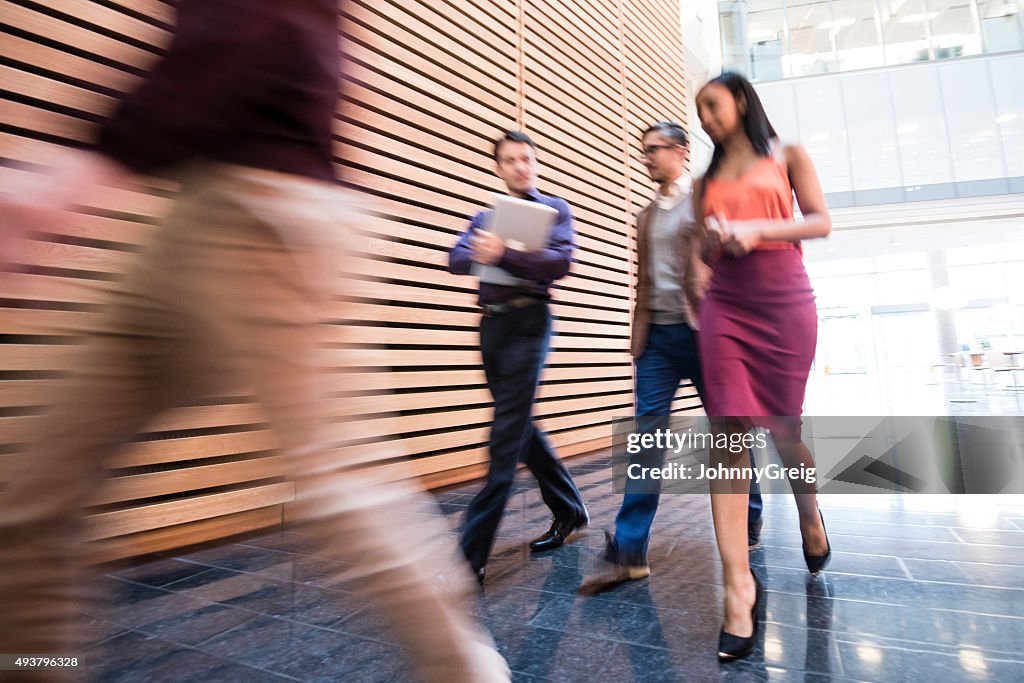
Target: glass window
{"type": "Point", "coordinates": [850, 291]}
{"type": "Point", "coordinates": [823, 131]}
{"type": "Point", "coordinates": [921, 126]}
{"type": "Point", "coordinates": [1001, 25]}
{"type": "Point", "coordinates": [989, 328]}
{"type": "Point", "coordinates": [773, 39]}
{"type": "Point", "coordinates": [857, 34]}
{"type": "Point", "coordinates": [873, 150]}
{"type": "Point", "coordinates": [810, 41]}
{"type": "Point", "coordinates": [905, 29]}
{"type": "Point", "coordinates": [887, 263]}
{"type": "Point", "coordinates": [955, 32]}
{"type": "Point", "coordinates": [767, 45]}
{"type": "Point", "coordinates": [905, 339]}
{"type": "Point", "coordinates": [1005, 320]}
{"type": "Point", "coordinates": [982, 281]}
{"type": "Point", "coordinates": [780, 106]}
{"type": "Point", "coordinates": [903, 287]}
{"type": "Point", "coordinates": [753, 37]}
{"type": "Point", "coordinates": [844, 343]}
{"type": "Point", "coordinates": [851, 266]}
{"type": "Point", "coordinates": [1006, 81]}
{"type": "Point", "coordinates": [1014, 273]}
{"type": "Point", "coordinates": [975, 328]}
{"type": "Point", "coordinates": [732, 21]}
{"type": "Point", "coordinates": [971, 116]}
{"type": "Point", "coordinates": [987, 254]}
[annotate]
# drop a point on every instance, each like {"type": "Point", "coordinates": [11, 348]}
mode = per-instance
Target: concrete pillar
{"type": "Point", "coordinates": [945, 322]}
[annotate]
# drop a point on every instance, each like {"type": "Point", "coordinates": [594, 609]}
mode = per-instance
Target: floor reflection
{"type": "Point", "coordinates": [921, 588]}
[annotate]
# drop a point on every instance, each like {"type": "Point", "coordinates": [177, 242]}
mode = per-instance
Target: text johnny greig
{"type": "Point", "coordinates": [668, 440]}
{"type": "Point", "coordinates": [679, 472]}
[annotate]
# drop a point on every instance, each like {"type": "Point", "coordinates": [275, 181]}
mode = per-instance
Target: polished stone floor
{"type": "Point", "coordinates": [921, 588]}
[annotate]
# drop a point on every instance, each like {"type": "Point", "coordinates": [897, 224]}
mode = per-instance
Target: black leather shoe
{"type": "Point", "coordinates": [559, 532]}
{"type": "Point", "coordinates": [754, 533]}
{"type": "Point", "coordinates": [815, 563]}
{"type": "Point", "coordinates": [732, 647]}
{"type": "Point", "coordinates": [479, 573]}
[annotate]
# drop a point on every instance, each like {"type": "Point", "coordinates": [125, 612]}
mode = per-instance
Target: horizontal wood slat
{"type": "Point", "coordinates": [430, 86]}
{"type": "Point", "coordinates": [157, 515]}
{"type": "Point", "coordinates": [190, 533]}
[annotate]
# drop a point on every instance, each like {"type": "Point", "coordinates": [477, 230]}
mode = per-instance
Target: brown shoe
{"type": "Point", "coordinates": [613, 569]}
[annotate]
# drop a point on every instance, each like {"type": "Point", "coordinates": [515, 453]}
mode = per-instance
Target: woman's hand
{"type": "Point", "coordinates": [738, 238]}
{"type": "Point", "coordinates": [711, 244]}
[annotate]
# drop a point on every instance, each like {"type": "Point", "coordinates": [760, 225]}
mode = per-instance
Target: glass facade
{"type": "Point", "coordinates": [901, 101]}
{"type": "Point", "coordinates": [878, 313]}
{"type": "Point", "coordinates": [775, 39]}
{"type": "Point", "coordinates": [939, 130]}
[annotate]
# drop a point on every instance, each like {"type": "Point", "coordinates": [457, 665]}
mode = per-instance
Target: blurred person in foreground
{"type": "Point", "coordinates": [230, 290]}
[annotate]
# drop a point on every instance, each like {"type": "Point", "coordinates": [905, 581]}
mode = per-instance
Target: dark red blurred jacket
{"type": "Point", "coordinates": [249, 82]}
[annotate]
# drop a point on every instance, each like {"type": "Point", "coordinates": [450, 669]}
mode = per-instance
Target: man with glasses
{"type": "Point", "coordinates": [671, 280]}
{"type": "Point", "coordinates": [514, 334]}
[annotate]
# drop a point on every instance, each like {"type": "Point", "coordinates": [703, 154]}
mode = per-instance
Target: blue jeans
{"type": "Point", "coordinates": [670, 357]}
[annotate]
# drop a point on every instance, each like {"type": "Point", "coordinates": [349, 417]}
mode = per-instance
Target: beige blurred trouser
{"type": "Point", "coordinates": [231, 290]}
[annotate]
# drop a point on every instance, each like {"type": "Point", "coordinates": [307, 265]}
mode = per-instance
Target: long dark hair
{"type": "Point", "coordinates": [755, 122]}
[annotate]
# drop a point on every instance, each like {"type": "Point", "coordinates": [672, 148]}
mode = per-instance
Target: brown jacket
{"type": "Point", "coordinates": [694, 272]}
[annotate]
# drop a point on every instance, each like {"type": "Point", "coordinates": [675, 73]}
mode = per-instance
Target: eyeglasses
{"type": "Point", "coordinates": [651, 150]}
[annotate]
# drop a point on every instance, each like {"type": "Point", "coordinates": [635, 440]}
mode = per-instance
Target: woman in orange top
{"type": "Point", "coordinates": [758, 321]}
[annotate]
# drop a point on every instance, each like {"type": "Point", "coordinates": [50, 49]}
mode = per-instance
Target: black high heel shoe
{"type": "Point", "coordinates": [732, 647]}
{"type": "Point", "coordinates": [816, 563]}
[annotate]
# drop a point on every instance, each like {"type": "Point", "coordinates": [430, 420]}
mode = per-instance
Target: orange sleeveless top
{"type": "Point", "coordinates": [762, 192]}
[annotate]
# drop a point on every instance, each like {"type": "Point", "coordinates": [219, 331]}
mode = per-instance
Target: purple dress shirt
{"type": "Point", "coordinates": [541, 267]}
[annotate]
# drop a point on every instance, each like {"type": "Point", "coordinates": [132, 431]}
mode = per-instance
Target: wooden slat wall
{"type": "Point", "coordinates": [431, 85]}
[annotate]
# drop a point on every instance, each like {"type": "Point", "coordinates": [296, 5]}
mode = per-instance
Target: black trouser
{"type": "Point", "coordinates": [514, 346]}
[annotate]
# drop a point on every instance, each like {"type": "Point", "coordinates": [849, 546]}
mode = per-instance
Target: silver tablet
{"type": "Point", "coordinates": [524, 225]}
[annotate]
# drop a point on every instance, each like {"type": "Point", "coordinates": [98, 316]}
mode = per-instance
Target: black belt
{"type": "Point", "coordinates": [515, 303]}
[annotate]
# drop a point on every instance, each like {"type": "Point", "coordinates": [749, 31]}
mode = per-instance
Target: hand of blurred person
{"type": "Point", "coordinates": [25, 208]}
{"type": "Point", "coordinates": [34, 202]}
{"type": "Point", "coordinates": [488, 248]}
{"type": "Point", "coordinates": [13, 222]}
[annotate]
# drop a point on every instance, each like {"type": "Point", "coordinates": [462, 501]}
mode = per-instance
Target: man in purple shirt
{"type": "Point", "coordinates": [514, 335]}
